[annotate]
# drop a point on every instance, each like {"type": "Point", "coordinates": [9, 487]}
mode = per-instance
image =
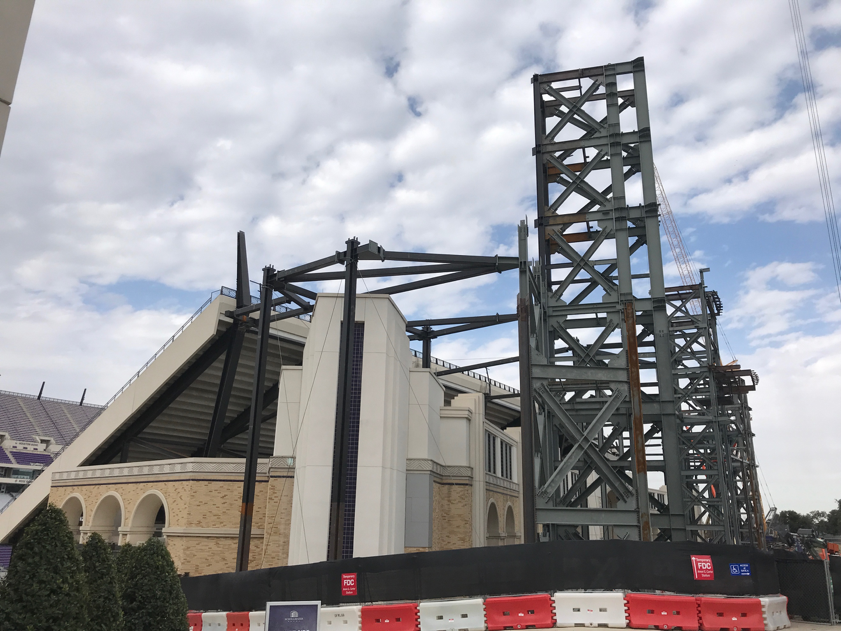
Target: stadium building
{"type": "Point", "coordinates": [437, 462]}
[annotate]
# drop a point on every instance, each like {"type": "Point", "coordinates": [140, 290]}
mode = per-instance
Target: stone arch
{"type": "Point", "coordinates": [74, 510]}
{"type": "Point", "coordinates": [492, 531]}
{"type": "Point", "coordinates": [510, 525]}
{"type": "Point", "coordinates": [108, 517]}
{"type": "Point", "coordinates": [149, 517]}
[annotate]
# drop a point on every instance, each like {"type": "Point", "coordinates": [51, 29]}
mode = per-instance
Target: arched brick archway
{"type": "Point", "coordinates": [492, 532]}
{"type": "Point", "coordinates": [149, 517]}
{"type": "Point", "coordinates": [510, 526]}
{"type": "Point", "coordinates": [74, 510]}
{"type": "Point", "coordinates": [108, 517]}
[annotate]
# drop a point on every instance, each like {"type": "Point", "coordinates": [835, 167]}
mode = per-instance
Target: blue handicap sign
{"type": "Point", "coordinates": [740, 569]}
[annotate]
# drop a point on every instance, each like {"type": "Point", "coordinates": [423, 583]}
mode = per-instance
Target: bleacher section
{"type": "Point", "coordinates": [32, 457]}
{"type": "Point", "coordinates": [25, 416]}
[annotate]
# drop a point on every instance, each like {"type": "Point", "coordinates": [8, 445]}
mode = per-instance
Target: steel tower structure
{"type": "Point", "coordinates": [622, 377]}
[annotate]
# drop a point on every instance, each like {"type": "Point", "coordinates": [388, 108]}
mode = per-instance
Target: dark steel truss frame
{"type": "Point", "coordinates": [284, 287]}
{"type": "Point", "coordinates": [718, 468]}
{"type": "Point", "coordinates": [623, 379]}
{"type": "Point", "coordinates": [619, 376]}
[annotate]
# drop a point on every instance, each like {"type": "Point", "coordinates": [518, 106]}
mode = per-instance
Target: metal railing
{"type": "Point", "coordinates": [42, 398]}
{"type": "Point", "coordinates": [475, 375]}
{"type": "Point", "coordinates": [224, 291]}
{"type": "Point", "coordinates": [180, 330]}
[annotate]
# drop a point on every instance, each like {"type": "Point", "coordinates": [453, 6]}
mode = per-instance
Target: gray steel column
{"type": "Point", "coordinates": [229, 369]}
{"type": "Point", "coordinates": [250, 479]}
{"type": "Point", "coordinates": [340, 436]}
{"type": "Point", "coordinates": [657, 292]}
{"type": "Point", "coordinates": [527, 453]}
{"type": "Point", "coordinates": [426, 354]}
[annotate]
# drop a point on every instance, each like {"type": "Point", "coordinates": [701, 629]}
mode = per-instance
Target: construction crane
{"type": "Point", "coordinates": [685, 266]}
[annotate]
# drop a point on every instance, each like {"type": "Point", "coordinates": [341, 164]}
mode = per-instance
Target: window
{"type": "Point", "coordinates": [506, 461]}
{"type": "Point", "coordinates": [490, 453]}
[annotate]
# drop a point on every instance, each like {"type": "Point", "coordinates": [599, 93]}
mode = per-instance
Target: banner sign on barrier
{"type": "Point", "coordinates": [740, 569]}
{"type": "Point", "coordinates": [292, 616]}
{"type": "Point", "coordinates": [348, 584]}
{"type": "Point", "coordinates": [702, 567]}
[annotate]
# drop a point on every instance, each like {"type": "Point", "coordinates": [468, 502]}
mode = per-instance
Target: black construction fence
{"type": "Point", "coordinates": [805, 582]}
{"type": "Point", "coordinates": [494, 571]}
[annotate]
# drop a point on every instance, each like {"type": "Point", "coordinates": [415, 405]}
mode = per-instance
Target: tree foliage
{"type": "Point", "coordinates": [45, 588]}
{"type": "Point", "coordinates": [123, 566]}
{"type": "Point", "coordinates": [826, 523]}
{"type": "Point", "coordinates": [104, 610]}
{"type": "Point", "coordinates": [151, 595]}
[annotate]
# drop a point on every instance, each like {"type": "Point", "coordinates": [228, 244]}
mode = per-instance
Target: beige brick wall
{"type": "Point", "coordinates": [502, 500]}
{"type": "Point", "coordinates": [278, 519]}
{"type": "Point", "coordinates": [200, 505]}
{"type": "Point", "coordinates": [452, 521]}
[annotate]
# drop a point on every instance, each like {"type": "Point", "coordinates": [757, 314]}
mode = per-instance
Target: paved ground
{"type": "Point", "coordinates": [799, 625]}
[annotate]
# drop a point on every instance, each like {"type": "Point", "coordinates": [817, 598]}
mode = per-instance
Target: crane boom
{"type": "Point", "coordinates": [685, 266]}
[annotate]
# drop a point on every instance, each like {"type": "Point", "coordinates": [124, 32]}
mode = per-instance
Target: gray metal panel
{"type": "Point", "coordinates": [418, 510]}
{"type": "Point", "coordinates": [4, 120]}
{"type": "Point", "coordinates": [14, 25]}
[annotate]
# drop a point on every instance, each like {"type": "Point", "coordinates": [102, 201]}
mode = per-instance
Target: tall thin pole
{"type": "Point", "coordinates": [250, 479]}
{"type": "Point", "coordinates": [343, 389]}
{"type": "Point", "coordinates": [526, 396]}
{"type": "Point", "coordinates": [637, 429]}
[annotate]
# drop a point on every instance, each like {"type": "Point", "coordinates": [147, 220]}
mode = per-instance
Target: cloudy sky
{"type": "Point", "coordinates": [144, 134]}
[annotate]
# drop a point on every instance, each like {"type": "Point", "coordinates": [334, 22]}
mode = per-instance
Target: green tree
{"type": "Point", "coordinates": [104, 610]}
{"type": "Point", "coordinates": [795, 521]}
{"type": "Point", "coordinates": [152, 597]}
{"type": "Point", "coordinates": [833, 520]}
{"type": "Point", "coordinates": [45, 588]}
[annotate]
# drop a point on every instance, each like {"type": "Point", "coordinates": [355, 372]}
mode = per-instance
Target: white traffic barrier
{"type": "Point", "coordinates": [453, 615]}
{"type": "Point", "coordinates": [775, 612]}
{"type": "Point", "coordinates": [257, 620]}
{"type": "Point", "coordinates": [214, 621]}
{"type": "Point", "coordinates": [347, 618]}
{"type": "Point", "coordinates": [590, 609]}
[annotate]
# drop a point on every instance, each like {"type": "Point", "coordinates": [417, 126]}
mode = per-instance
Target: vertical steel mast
{"type": "Point", "coordinates": [626, 380]}
{"type": "Point", "coordinates": [601, 361]}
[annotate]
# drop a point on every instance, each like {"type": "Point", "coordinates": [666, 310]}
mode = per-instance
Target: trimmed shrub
{"type": "Point", "coordinates": [123, 566]}
{"type": "Point", "coordinates": [104, 610]}
{"type": "Point", "coordinates": [152, 597]}
{"type": "Point", "coordinates": [45, 588]}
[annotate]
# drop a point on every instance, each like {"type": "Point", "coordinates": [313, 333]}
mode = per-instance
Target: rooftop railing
{"type": "Point", "coordinates": [475, 375]}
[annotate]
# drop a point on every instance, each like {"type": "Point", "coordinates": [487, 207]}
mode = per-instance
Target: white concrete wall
{"type": "Point", "coordinates": [287, 426]}
{"type": "Point", "coordinates": [383, 436]}
{"type": "Point", "coordinates": [455, 435]}
{"type": "Point", "coordinates": [426, 398]}
{"type": "Point", "coordinates": [383, 430]}
{"type": "Point", "coordinates": [475, 402]}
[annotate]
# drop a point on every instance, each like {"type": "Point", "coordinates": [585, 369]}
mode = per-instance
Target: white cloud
{"type": "Point", "coordinates": [765, 310]}
{"type": "Point", "coordinates": [795, 419]}
{"type": "Point", "coordinates": [144, 134]}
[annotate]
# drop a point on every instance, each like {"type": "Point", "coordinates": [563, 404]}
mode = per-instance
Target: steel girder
{"type": "Point", "coordinates": [718, 469]}
{"type": "Point", "coordinates": [623, 377]}
{"type": "Point", "coordinates": [601, 378]}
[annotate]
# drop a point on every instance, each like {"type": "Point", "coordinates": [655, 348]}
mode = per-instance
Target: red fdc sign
{"type": "Point", "coordinates": [348, 584]}
{"type": "Point", "coordinates": [702, 567]}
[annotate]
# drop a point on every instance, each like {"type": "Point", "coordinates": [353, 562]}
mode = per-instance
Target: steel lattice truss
{"type": "Point", "coordinates": [624, 378]}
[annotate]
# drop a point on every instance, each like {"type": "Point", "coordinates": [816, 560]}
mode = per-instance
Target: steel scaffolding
{"type": "Point", "coordinates": [624, 377]}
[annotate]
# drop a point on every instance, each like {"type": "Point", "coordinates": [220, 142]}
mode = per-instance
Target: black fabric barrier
{"type": "Point", "coordinates": [835, 573]}
{"type": "Point", "coordinates": [474, 572]}
{"type": "Point", "coordinates": [803, 581]}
